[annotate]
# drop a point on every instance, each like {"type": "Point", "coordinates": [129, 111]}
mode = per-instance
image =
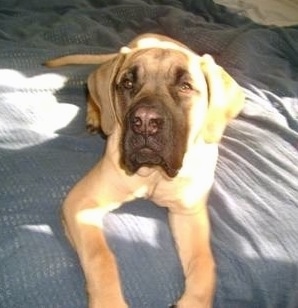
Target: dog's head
{"type": "Point", "coordinates": [163, 97]}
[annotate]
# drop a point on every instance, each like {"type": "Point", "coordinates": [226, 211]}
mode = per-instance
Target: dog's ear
{"type": "Point", "coordinates": [226, 99]}
{"type": "Point", "coordinates": [100, 86]}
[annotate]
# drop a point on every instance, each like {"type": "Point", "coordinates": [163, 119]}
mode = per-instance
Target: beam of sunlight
{"type": "Point", "coordinates": [13, 79]}
{"type": "Point", "coordinates": [30, 106]}
{"type": "Point", "coordinates": [43, 229]}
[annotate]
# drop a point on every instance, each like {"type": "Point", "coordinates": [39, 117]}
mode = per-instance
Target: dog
{"type": "Point", "coordinates": [163, 109]}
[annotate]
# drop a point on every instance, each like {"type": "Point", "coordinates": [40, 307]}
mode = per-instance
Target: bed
{"type": "Point", "coordinates": [45, 149]}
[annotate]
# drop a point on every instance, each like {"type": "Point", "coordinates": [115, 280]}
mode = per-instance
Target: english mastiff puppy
{"type": "Point", "coordinates": [163, 109]}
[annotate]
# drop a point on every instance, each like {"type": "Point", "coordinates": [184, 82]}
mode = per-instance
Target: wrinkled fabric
{"type": "Point", "coordinates": [45, 149]}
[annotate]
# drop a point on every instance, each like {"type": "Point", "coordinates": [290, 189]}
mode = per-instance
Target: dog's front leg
{"type": "Point", "coordinates": [192, 236]}
{"type": "Point", "coordinates": [83, 213]}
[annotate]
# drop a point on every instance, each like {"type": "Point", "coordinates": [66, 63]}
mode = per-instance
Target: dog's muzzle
{"type": "Point", "coordinates": [150, 138]}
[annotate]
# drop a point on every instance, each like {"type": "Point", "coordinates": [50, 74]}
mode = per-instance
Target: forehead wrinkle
{"type": "Point", "coordinates": [156, 55]}
{"type": "Point", "coordinates": [168, 65]}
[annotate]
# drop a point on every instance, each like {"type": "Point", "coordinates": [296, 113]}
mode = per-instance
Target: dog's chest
{"type": "Point", "coordinates": [191, 186]}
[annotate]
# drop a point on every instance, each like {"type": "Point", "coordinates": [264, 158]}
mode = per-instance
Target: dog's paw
{"type": "Point", "coordinates": [93, 122]}
{"type": "Point", "coordinates": [93, 129]}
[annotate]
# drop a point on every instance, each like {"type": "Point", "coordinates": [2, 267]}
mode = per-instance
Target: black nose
{"type": "Point", "coordinates": [146, 120]}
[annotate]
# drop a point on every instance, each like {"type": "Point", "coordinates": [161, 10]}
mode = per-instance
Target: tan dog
{"type": "Point", "coordinates": [164, 110]}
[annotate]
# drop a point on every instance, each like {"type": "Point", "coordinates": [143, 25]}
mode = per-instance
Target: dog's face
{"type": "Point", "coordinates": [161, 100]}
{"type": "Point", "coordinates": [155, 93]}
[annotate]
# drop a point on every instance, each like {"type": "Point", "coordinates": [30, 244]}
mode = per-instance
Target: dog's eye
{"type": "Point", "coordinates": [185, 87]}
{"type": "Point", "coordinates": [127, 84]}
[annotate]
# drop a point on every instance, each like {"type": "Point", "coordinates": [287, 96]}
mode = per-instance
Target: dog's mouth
{"type": "Point", "coordinates": [147, 157]}
{"type": "Point", "coordinates": [153, 137]}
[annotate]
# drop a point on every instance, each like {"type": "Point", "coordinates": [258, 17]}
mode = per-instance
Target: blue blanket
{"type": "Point", "coordinates": [44, 150]}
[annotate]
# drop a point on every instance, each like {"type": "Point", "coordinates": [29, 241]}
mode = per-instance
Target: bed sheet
{"type": "Point", "coordinates": [45, 149]}
{"type": "Point", "coordinates": [267, 12]}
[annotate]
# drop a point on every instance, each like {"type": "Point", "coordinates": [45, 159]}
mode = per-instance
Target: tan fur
{"type": "Point", "coordinates": [185, 195]}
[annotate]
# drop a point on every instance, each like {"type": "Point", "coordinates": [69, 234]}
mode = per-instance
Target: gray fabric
{"type": "Point", "coordinates": [44, 150]}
